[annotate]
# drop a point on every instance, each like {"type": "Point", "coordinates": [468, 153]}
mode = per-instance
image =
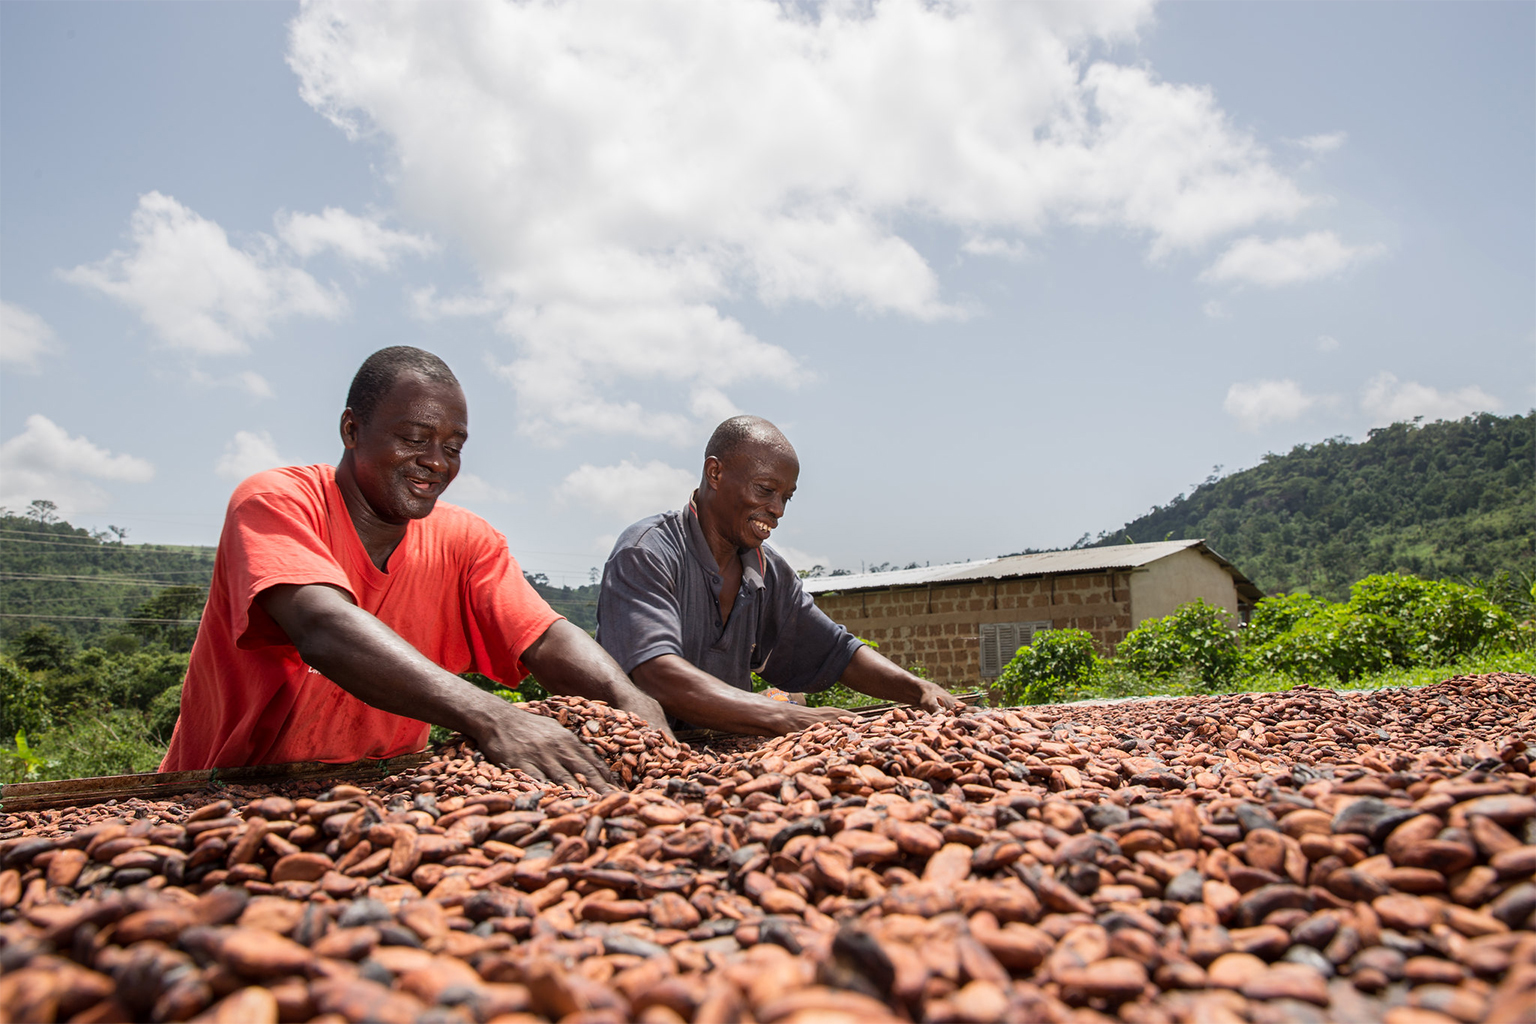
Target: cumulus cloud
{"type": "Point", "coordinates": [1323, 143]}
{"type": "Point", "coordinates": [43, 461]}
{"type": "Point", "coordinates": [24, 336]}
{"type": "Point", "coordinates": [982, 245]}
{"type": "Point", "coordinates": [1266, 401]}
{"type": "Point", "coordinates": [1386, 399]}
{"type": "Point", "coordinates": [469, 489]}
{"type": "Point", "coordinates": [797, 558]}
{"type": "Point", "coordinates": [1214, 310]}
{"type": "Point", "coordinates": [249, 381]}
{"type": "Point", "coordinates": [357, 239]}
{"type": "Point", "coordinates": [627, 490]}
{"type": "Point", "coordinates": [247, 453]}
{"type": "Point", "coordinates": [619, 173]}
{"type": "Point", "coordinates": [1287, 260]}
{"type": "Point", "coordinates": [194, 289]}
{"type": "Point", "coordinates": [1327, 343]}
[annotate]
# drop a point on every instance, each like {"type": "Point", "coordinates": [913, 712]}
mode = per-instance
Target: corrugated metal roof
{"type": "Point", "coordinates": [1045, 563]}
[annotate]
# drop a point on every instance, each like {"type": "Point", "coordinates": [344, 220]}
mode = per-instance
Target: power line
{"type": "Point", "coordinates": [89, 579]}
{"type": "Point", "coordinates": [101, 618]}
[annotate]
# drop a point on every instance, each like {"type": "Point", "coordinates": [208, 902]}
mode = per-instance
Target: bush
{"type": "Point", "coordinates": [1057, 662]}
{"type": "Point", "coordinates": [1197, 638]}
{"type": "Point", "coordinates": [1278, 615]}
{"type": "Point", "coordinates": [1443, 621]}
{"type": "Point", "coordinates": [23, 701]}
{"type": "Point", "coordinates": [162, 714]}
{"type": "Point", "coordinates": [110, 743]}
{"type": "Point", "coordinates": [1336, 641]}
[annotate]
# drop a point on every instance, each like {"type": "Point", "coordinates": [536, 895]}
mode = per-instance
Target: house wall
{"type": "Point", "coordinates": [938, 627]}
{"type": "Point", "coordinates": [1161, 586]}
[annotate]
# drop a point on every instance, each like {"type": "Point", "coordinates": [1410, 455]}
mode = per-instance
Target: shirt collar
{"type": "Point", "coordinates": [754, 564]}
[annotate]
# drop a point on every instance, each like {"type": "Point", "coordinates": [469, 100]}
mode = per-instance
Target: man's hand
{"type": "Point", "coordinates": [869, 673]}
{"type": "Point", "coordinates": [544, 749]}
{"type": "Point", "coordinates": [803, 718]}
{"type": "Point", "coordinates": [935, 698]}
{"type": "Point", "coordinates": [566, 660]}
{"type": "Point", "coordinates": [376, 665]}
{"type": "Point", "coordinates": [700, 699]}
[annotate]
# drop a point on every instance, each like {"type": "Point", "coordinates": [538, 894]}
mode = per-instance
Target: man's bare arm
{"type": "Point", "coordinates": [566, 660]}
{"type": "Point", "coordinates": [869, 673]}
{"type": "Point", "coordinates": [377, 666]}
{"type": "Point", "coordinates": [700, 699]}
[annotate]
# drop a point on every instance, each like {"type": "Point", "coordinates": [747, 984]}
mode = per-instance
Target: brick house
{"type": "Point", "coordinates": [964, 622]}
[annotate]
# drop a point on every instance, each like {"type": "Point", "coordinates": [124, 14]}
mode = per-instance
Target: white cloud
{"type": "Point", "coordinates": [982, 245]}
{"type": "Point", "coordinates": [248, 453]}
{"type": "Point", "coordinates": [1326, 142]}
{"type": "Point", "coordinates": [1386, 399]}
{"type": "Point", "coordinates": [1214, 310]}
{"type": "Point", "coordinates": [358, 239]}
{"type": "Point", "coordinates": [797, 558]}
{"type": "Point", "coordinates": [627, 490]}
{"type": "Point", "coordinates": [469, 489]}
{"type": "Point", "coordinates": [249, 381]}
{"type": "Point", "coordinates": [618, 173]}
{"type": "Point", "coordinates": [198, 292]}
{"type": "Point", "coordinates": [1266, 401]}
{"type": "Point", "coordinates": [24, 336]}
{"type": "Point", "coordinates": [1287, 260]}
{"type": "Point", "coordinates": [43, 461]}
{"type": "Point", "coordinates": [1327, 343]}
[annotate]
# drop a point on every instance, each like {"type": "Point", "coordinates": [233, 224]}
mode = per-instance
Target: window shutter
{"type": "Point", "coordinates": [1000, 641]}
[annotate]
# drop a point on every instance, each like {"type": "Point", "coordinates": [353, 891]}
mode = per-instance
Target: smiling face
{"type": "Point", "coordinates": [745, 493]}
{"type": "Point", "coordinates": [407, 453]}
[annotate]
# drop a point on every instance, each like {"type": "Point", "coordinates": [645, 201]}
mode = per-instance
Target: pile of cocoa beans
{"type": "Point", "coordinates": [1301, 856]}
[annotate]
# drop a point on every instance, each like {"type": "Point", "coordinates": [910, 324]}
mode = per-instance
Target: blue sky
{"type": "Point", "coordinates": [1005, 274]}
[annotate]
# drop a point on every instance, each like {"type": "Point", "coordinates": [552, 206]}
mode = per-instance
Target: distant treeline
{"type": "Point", "coordinates": [90, 587]}
{"type": "Point", "coordinates": [1445, 500]}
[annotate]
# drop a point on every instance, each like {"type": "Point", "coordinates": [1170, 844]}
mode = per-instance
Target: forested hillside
{"type": "Point", "coordinates": [1451, 499]}
{"type": "Point", "coordinates": [92, 586]}
{"type": "Point", "coordinates": [87, 585]}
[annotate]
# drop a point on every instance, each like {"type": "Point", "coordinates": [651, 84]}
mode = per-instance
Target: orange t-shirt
{"type": "Point", "coordinates": [453, 591]}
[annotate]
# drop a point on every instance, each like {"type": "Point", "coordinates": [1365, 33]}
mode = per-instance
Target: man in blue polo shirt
{"type": "Point", "coordinates": [693, 602]}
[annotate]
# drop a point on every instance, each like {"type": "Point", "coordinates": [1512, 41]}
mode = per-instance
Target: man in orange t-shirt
{"type": "Point", "coordinates": [345, 601]}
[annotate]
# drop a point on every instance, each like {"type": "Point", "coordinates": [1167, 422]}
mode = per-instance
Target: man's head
{"type": "Point", "coordinates": [750, 472]}
{"type": "Point", "coordinates": [404, 427]}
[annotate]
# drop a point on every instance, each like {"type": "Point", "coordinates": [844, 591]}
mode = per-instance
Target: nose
{"type": "Point", "coordinates": [776, 506]}
{"type": "Point", "coordinates": [434, 458]}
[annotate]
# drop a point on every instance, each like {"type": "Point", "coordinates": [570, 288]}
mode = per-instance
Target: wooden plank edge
{"type": "Point", "coordinates": [32, 796]}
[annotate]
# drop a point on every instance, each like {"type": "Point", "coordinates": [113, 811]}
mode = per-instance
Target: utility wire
{"type": "Point", "coordinates": [100, 618]}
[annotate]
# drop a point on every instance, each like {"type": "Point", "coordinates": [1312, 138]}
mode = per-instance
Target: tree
{"type": "Point", "coordinates": [43, 511]}
{"type": "Point", "coordinates": [179, 608]}
{"type": "Point", "coordinates": [41, 648]}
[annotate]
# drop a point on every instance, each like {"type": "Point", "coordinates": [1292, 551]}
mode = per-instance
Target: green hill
{"type": "Point", "coordinates": [1450, 499]}
{"type": "Point", "coordinates": [93, 586]}
{"type": "Point", "coordinates": [88, 586]}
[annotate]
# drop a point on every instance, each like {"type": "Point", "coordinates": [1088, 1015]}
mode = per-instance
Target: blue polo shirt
{"type": "Point", "coordinates": [661, 595]}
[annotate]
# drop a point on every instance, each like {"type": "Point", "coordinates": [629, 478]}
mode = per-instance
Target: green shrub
{"type": "Point", "coordinates": [1442, 621]}
{"type": "Point", "coordinates": [1197, 638]}
{"type": "Point", "coordinates": [1336, 641]}
{"type": "Point", "coordinates": [1056, 663]}
{"type": "Point", "coordinates": [114, 742]}
{"type": "Point", "coordinates": [1278, 615]}
{"type": "Point", "coordinates": [162, 714]}
{"type": "Point", "coordinates": [23, 700]}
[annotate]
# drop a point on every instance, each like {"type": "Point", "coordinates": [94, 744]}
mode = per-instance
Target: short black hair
{"type": "Point", "coordinates": [379, 372]}
{"type": "Point", "coordinates": [738, 432]}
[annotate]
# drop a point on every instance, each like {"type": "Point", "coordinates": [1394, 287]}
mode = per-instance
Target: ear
{"type": "Point", "coordinates": [713, 470]}
{"type": "Point", "coordinates": [349, 428]}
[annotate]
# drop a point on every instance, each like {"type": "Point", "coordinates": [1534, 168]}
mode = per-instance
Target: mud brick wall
{"type": "Point", "coordinates": [939, 627]}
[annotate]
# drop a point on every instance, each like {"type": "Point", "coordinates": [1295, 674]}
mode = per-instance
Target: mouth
{"type": "Point", "coordinates": [424, 488]}
{"type": "Point", "coordinates": [760, 529]}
